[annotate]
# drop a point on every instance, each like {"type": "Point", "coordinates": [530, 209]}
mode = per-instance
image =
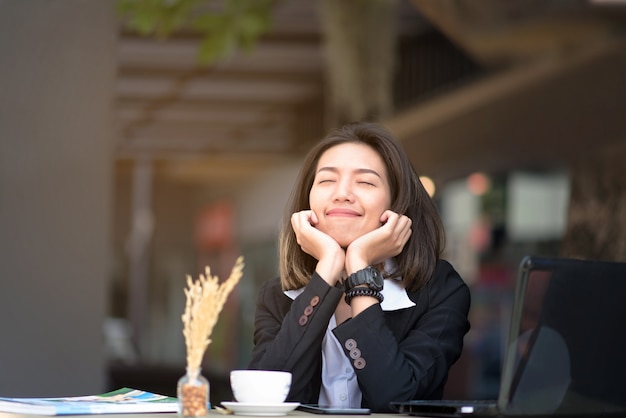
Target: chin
{"type": "Point", "coordinates": [343, 237]}
{"type": "Point", "coordinates": [344, 241]}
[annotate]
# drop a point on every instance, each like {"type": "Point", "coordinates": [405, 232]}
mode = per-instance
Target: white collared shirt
{"type": "Point", "coordinates": [339, 383]}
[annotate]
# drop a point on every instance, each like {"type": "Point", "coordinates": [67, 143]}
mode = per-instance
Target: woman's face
{"type": "Point", "coordinates": [350, 192]}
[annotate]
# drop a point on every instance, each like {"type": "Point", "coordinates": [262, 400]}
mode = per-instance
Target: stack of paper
{"type": "Point", "coordinates": [121, 401]}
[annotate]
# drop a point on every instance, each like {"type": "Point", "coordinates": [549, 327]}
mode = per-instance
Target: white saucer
{"type": "Point", "coordinates": [261, 410]}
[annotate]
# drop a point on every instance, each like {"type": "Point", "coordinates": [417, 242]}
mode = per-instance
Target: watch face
{"type": "Point", "coordinates": [369, 276]}
{"type": "Point", "coordinates": [377, 278]}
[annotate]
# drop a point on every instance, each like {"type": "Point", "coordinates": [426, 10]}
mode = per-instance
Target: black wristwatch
{"type": "Point", "coordinates": [369, 276]}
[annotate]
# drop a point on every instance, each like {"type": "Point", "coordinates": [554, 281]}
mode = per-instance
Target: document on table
{"type": "Point", "coordinates": [121, 401]}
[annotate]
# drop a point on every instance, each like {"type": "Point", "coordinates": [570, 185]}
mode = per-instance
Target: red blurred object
{"type": "Point", "coordinates": [214, 228]}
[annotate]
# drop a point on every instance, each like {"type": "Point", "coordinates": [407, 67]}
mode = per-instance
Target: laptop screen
{"type": "Point", "coordinates": [567, 342]}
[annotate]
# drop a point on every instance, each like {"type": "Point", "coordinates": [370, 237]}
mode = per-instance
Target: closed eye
{"type": "Point", "coordinates": [325, 181]}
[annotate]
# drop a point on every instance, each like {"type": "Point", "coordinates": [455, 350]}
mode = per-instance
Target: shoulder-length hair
{"type": "Point", "coordinates": [416, 263]}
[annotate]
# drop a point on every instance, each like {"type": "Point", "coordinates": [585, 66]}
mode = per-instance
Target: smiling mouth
{"type": "Point", "coordinates": [342, 212]}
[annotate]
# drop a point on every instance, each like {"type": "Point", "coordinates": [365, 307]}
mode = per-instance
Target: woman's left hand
{"type": "Point", "coordinates": [384, 242]}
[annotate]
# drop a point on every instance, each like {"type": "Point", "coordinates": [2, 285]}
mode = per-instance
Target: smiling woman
{"type": "Point", "coordinates": [349, 195]}
{"type": "Point", "coordinates": [364, 311]}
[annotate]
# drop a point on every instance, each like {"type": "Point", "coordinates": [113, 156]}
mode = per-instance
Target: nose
{"type": "Point", "coordinates": [343, 192]}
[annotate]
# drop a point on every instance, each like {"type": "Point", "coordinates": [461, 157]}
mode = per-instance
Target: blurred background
{"type": "Point", "coordinates": [141, 141]}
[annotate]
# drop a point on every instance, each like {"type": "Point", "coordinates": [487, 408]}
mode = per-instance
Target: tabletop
{"type": "Point", "coordinates": [212, 414]}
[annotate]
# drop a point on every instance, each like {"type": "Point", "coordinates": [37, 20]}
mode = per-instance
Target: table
{"type": "Point", "coordinates": [212, 414]}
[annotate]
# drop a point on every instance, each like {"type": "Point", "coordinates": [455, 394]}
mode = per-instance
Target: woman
{"type": "Point", "coordinates": [364, 312]}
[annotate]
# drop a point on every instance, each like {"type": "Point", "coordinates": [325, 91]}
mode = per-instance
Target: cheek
{"type": "Point", "coordinates": [379, 204]}
{"type": "Point", "coordinates": [312, 196]}
{"type": "Point", "coordinates": [315, 200]}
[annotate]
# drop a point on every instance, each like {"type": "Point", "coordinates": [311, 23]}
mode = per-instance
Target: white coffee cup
{"type": "Point", "coordinates": [260, 386]}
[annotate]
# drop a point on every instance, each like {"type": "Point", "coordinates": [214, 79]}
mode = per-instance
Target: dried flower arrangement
{"type": "Point", "coordinates": [205, 300]}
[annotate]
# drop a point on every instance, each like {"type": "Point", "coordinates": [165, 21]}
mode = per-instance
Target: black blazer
{"type": "Point", "coordinates": [397, 355]}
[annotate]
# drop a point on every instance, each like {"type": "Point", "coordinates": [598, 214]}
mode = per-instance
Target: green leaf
{"type": "Point", "coordinates": [237, 24]}
{"type": "Point", "coordinates": [216, 47]}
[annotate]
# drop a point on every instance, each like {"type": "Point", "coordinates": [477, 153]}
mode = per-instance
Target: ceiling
{"type": "Point", "coordinates": [557, 70]}
{"type": "Point", "coordinates": [222, 121]}
{"type": "Point", "coordinates": [230, 120]}
{"type": "Point", "coordinates": [555, 95]}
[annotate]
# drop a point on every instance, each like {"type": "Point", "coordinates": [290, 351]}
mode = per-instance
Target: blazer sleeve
{"type": "Point", "coordinates": [288, 334]}
{"type": "Point", "coordinates": [406, 354]}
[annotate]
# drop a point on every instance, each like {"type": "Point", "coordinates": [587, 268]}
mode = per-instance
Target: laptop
{"type": "Point", "coordinates": [566, 349]}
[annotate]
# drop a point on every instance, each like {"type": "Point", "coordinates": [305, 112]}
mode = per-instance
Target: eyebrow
{"type": "Point", "coordinates": [358, 170]}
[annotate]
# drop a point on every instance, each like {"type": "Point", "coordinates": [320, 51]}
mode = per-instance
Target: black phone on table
{"type": "Point", "coordinates": [330, 410]}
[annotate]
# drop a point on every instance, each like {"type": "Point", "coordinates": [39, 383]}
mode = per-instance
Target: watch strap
{"type": "Point", "coordinates": [363, 291]}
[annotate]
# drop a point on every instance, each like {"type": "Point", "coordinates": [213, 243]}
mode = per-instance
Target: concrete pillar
{"type": "Point", "coordinates": [57, 75]}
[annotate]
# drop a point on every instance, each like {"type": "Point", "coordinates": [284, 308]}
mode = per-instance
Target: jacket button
{"type": "Point", "coordinates": [350, 344]}
{"type": "Point", "coordinates": [308, 310]}
{"type": "Point", "coordinates": [359, 363]}
{"type": "Point", "coordinates": [303, 320]}
{"type": "Point", "coordinates": [315, 300]}
{"type": "Point", "coordinates": [355, 353]}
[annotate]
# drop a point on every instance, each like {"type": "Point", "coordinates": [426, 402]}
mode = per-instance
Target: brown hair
{"type": "Point", "coordinates": [416, 263]}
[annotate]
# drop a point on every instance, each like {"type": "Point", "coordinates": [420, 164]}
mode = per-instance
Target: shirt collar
{"type": "Point", "coordinates": [395, 296]}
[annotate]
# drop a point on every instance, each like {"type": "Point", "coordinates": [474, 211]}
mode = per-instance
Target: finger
{"type": "Point", "coordinates": [384, 218]}
{"type": "Point", "coordinates": [404, 227]}
{"type": "Point", "coordinates": [405, 222]}
{"type": "Point", "coordinates": [405, 236]}
{"type": "Point", "coordinates": [300, 217]}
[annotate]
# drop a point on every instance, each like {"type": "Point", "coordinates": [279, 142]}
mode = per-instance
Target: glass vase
{"type": "Point", "coordinates": [193, 394]}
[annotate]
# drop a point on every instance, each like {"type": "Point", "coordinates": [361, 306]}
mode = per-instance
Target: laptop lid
{"type": "Point", "coordinates": [567, 341]}
{"type": "Point", "coordinates": [566, 350]}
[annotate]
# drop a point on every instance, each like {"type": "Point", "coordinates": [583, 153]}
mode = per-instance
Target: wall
{"type": "Point", "coordinates": [58, 67]}
{"type": "Point", "coordinates": [261, 205]}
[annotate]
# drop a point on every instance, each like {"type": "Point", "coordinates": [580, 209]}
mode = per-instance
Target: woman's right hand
{"type": "Point", "coordinates": [328, 253]}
